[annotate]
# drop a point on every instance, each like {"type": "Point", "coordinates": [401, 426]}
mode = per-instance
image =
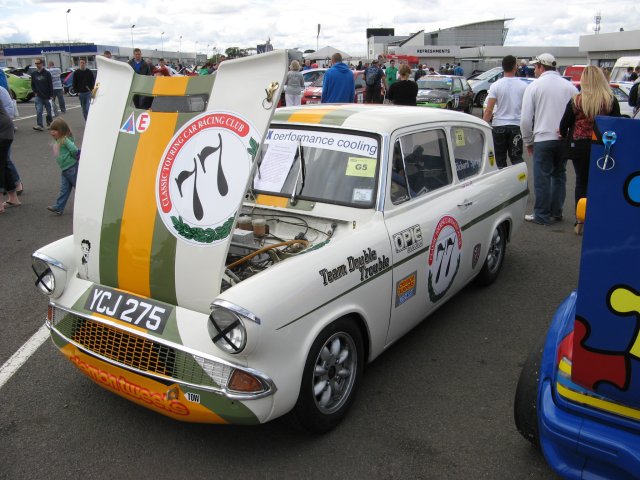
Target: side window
{"type": "Point", "coordinates": [465, 84]}
{"type": "Point", "coordinates": [420, 165]}
{"type": "Point", "coordinates": [456, 85]}
{"type": "Point", "coordinates": [468, 149]}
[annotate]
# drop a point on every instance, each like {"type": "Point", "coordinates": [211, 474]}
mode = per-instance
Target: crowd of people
{"type": "Point", "coordinates": [562, 130]}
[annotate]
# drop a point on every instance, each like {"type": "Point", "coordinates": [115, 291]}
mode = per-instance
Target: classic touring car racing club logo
{"type": "Point", "coordinates": [202, 176]}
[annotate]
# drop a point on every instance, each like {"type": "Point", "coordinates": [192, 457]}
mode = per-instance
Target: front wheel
{"type": "Point", "coordinates": [72, 92]}
{"type": "Point", "coordinates": [331, 377]}
{"type": "Point", "coordinates": [495, 257]}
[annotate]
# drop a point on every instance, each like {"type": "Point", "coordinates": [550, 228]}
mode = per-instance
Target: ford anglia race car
{"type": "Point", "coordinates": [231, 265]}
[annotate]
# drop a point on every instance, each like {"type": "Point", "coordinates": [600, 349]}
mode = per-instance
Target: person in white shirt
{"type": "Point", "coordinates": [545, 100]}
{"type": "Point", "coordinates": [58, 92]}
{"type": "Point", "coordinates": [506, 96]}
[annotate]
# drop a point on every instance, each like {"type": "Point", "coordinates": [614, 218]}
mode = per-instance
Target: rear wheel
{"type": "Point", "coordinates": [525, 405]}
{"type": "Point", "coordinates": [480, 98]}
{"type": "Point", "coordinates": [72, 92]}
{"type": "Point", "coordinates": [469, 108]}
{"type": "Point", "coordinates": [331, 377]}
{"type": "Point", "coordinates": [495, 257]}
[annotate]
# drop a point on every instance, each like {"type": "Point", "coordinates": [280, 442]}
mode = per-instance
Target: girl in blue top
{"type": "Point", "coordinates": [66, 154]}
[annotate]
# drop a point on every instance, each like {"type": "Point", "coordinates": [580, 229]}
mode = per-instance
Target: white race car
{"type": "Point", "coordinates": [212, 280]}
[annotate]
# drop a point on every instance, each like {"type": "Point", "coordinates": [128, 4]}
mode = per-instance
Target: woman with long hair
{"type": "Point", "coordinates": [576, 126]}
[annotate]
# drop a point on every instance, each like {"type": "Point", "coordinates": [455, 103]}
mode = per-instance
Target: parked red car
{"type": "Point", "coordinates": [313, 93]}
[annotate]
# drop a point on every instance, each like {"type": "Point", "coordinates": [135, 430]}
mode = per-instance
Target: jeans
{"type": "Point", "coordinates": [85, 100]}
{"type": "Point", "coordinates": [6, 177]}
{"type": "Point", "coordinates": [507, 139]}
{"type": "Point", "coordinates": [13, 170]}
{"type": "Point", "coordinates": [549, 180]}
{"type": "Point", "coordinates": [67, 182]}
{"type": "Point", "coordinates": [40, 102]}
{"type": "Point", "coordinates": [59, 94]}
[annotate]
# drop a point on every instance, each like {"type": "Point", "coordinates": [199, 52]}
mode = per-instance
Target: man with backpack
{"type": "Point", "coordinates": [373, 76]}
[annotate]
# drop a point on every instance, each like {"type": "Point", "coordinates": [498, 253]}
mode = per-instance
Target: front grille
{"type": "Point", "coordinates": [124, 348]}
{"type": "Point", "coordinates": [139, 353]}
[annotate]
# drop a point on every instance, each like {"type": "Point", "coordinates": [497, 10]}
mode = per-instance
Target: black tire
{"type": "Point", "coordinates": [469, 108]}
{"type": "Point", "coordinates": [449, 106]}
{"type": "Point", "coordinates": [12, 94]}
{"type": "Point", "coordinates": [495, 257]}
{"type": "Point", "coordinates": [525, 404]}
{"type": "Point", "coordinates": [480, 98]}
{"type": "Point", "coordinates": [72, 92]}
{"type": "Point", "coordinates": [331, 377]}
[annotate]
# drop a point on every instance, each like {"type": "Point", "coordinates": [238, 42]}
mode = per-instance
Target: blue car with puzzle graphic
{"type": "Point", "coordinates": [578, 397]}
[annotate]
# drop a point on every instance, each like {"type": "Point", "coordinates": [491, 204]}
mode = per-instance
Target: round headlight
{"type": "Point", "coordinates": [227, 330]}
{"type": "Point", "coordinates": [43, 276]}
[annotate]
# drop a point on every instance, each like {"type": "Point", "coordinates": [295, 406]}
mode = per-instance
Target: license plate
{"type": "Point", "coordinates": [309, 102]}
{"type": "Point", "coordinates": [139, 311]}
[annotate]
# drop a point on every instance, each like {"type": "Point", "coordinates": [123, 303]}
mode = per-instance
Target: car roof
{"type": "Point", "coordinates": [371, 118]}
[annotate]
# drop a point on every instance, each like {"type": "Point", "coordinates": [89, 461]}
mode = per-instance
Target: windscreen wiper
{"type": "Point", "coordinates": [302, 173]}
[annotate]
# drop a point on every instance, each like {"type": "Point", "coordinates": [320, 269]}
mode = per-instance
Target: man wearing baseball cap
{"type": "Point", "coordinates": [545, 100]}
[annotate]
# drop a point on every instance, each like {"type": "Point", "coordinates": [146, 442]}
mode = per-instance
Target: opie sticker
{"type": "Point", "coordinates": [361, 167]}
{"type": "Point", "coordinates": [409, 239]}
{"type": "Point", "coordinates": [406, 288]}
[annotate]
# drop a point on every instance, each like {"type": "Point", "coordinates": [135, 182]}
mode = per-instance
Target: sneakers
{"type": "Point", "coordinates": [53, 210]}
{"type": "Point", "coordinates": [578, 228]}
{"type": "Point", "coordinates": [530, 217]}
{"type": "Point", "coordinates": [38, 128]}
{"type": "Point", "coordinates": [556, 218]}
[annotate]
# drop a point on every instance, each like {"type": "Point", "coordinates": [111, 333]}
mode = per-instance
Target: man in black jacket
{"type": "Point", "coordinates": [83, 83]}
{"type": "Point", "coordinates": [139, 64]}
{"type": "Point", "coordinates": [42, 86]}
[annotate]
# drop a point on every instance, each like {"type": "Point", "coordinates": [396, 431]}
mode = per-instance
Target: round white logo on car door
{"type": "Point", "coordinates": [444, 257]}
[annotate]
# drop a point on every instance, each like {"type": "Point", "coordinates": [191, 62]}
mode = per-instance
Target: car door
{"type": "Point", "coordinates": [475, 196]}
{"type": "Point", "coordinates": [420, 215]}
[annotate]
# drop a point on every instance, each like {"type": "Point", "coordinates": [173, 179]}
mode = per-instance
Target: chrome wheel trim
{"type": "Point", "coordinates": [334, 373]}
{"type": "Point", "coordinates": [496, 250]}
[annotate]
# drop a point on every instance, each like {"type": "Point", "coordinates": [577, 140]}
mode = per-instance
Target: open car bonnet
{"type": "Point", "coordinates": [165, 166]}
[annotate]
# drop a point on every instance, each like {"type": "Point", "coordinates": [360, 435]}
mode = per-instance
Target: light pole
{"type": "Point", "coordinates": [67, 18]}
{"type": "Point", "coordinates": [206, 52]}
{"type": "Point", "coordinates": [180, 51]}
{"type": "Point", "coordinates": [162, 45]}
{"type": "Point", "coordinates": [132, 34]}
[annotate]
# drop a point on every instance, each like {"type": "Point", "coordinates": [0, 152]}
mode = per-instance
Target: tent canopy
{"type": "Point", "coordinates": [326, 52]}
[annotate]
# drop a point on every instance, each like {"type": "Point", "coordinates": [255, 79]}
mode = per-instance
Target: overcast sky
{"type": "Point", "coordinates": [290, 24]}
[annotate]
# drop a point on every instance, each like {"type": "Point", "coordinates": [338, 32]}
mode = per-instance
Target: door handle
{"type": "Point", "coordinates": [466, 203]}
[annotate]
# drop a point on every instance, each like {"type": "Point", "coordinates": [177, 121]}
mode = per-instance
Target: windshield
{"type": "Point", "coordinates": [488, 74]}
{"type": "Point", "coordinates": [435, 83]}
{"type": "Point", "coordinates": [339, 168]}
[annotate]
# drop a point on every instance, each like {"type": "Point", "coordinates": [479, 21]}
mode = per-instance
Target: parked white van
{"type": "Point", "coordinates": [621, 65]}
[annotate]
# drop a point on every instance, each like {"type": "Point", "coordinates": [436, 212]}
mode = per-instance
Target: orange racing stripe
{"type": "Point", "coordinates": [139, 214]}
